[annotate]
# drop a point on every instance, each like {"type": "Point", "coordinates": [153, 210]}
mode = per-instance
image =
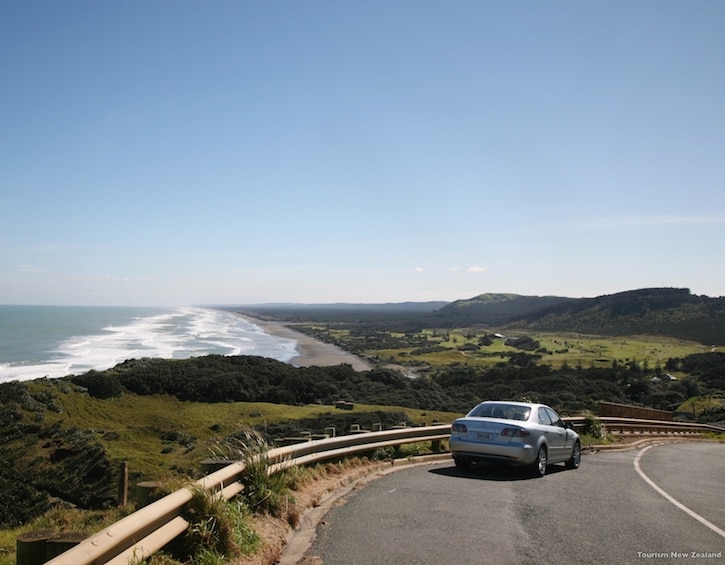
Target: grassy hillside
{"type": "Point", "coordinates": [672, 312]}
{"type": "Point", "coordinates": [74, 442]}
{"type": "Point", "coordinates": [495, 309]}
{"type": "Point", "coordinates": [161, 433]}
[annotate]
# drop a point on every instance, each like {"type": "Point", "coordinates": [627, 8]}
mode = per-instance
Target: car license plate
{"type": "Point", "coordinates": [484, 435]}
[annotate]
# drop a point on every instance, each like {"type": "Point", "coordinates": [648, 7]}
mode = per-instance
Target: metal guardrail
{"type": "Point", "coordinates": [637, 426]}
{"type": "Point", "coordinates": [146, 531]}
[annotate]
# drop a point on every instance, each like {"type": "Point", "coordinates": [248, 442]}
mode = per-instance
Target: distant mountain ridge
{"type": "Point", "coordinates": [673, 312]}
{"type": "Point", "coordinates": [408, 306]}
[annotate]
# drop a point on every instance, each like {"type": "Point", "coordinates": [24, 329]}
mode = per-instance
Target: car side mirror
{"type": "Point", "coordinates": [569, 425]}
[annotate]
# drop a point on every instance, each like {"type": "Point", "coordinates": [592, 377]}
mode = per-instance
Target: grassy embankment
{"type": "Point", "coordinates": [161, 438]}
{"type": "Point", "coordinates": [160, 434]}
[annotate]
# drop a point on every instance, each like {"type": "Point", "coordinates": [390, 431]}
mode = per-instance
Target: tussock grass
{"type": "Point", "coordinates": [266, 489]}
{"type": "Point", "coordinates": [218, 526]}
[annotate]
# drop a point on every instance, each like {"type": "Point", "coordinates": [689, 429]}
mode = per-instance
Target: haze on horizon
{"type": "Point", "coordinates": [157, 153]}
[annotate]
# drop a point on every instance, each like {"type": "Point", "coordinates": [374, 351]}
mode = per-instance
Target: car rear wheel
{"type": "Point", "coordinates": [539, 466]}
{"type": "Point", "coordinates": [461, 463]}
{"type": "Point", "coordinates": [576, 457]}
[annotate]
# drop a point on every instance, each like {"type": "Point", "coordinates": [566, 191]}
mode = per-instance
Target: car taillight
{"type": "Point", "coordinates": [458, 428]}
{"type": "Point", "coordinates": [514, 432]}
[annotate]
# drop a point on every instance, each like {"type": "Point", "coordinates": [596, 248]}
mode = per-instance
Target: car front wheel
{"type": "Point", "coordinates": [576, 457]}
{"type": "Point", "coordinates": [539, 466]}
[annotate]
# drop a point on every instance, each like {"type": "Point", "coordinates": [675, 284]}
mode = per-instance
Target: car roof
{"type": "Point", "coordinates": [512, 403]}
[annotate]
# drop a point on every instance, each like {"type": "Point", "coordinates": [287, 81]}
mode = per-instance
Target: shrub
{"type": "Point", "coordinates": [21, 502]}
{"type": "Point", "coordinates": [713, 415]}
{"type": "Point", "coordinates": [593, 427]}
{"type": "Point", "coordinates": [100, 385]}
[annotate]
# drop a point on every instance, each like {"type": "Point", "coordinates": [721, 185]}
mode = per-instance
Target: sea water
{"type": "Point", "coordinates": [55, 341]}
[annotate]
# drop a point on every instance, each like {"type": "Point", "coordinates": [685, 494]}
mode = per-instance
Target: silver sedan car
{"type": "Point", "coordinates": [521, 433]}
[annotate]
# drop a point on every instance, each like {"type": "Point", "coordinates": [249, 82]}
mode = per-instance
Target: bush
{"type": "Point", "coordinates": [21, 502]}
{"type": "Point", "coordinates": [713, 415]}
{"type": "Point", "coordinates": [593, 427]}
{"type": "Point", "coordinates": [99, 385]}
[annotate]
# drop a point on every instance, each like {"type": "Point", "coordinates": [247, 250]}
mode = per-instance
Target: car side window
{"type": "Point", "coordinates": [555, 420]}
{"type": "Point", "coordinates": [544, 418]}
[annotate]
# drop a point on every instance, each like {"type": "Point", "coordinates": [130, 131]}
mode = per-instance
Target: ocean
{"type": "Point", "coordinates": [55, 341]}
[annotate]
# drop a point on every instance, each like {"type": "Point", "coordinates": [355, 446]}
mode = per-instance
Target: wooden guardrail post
{"type": "Point", "coordinates": [123, 484]}
{"type": "Point", "coordinates": [30, 547]}
{"type": "Point", "coordinates": [209, 466]}
{"type": "Point", "coordinates": [39, 546]}
{"type": "Point", "coordinates": [61, 543]}
{"type": "Point", "coordinates": [144, 492]}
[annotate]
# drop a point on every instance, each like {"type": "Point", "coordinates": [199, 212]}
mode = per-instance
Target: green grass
{"type": "Point", "coordinates": [160, 434]}
{"type": "Point", "coordinates": [571, 349]}
{"type": "Point", "coordinates": [601, 351]}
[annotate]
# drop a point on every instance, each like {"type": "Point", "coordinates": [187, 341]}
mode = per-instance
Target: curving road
{"type": "Point", "coordinates": [653, 505]}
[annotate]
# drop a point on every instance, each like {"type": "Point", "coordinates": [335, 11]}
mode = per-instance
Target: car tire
{"type": "Point", "coordinates": [539, 465]}
{"type": "Point", "coordinates": [461, 463]}
{"type": "Point", "coordinates": [576, 456]}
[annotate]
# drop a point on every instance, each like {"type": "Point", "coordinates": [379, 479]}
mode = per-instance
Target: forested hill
{"type": "Point", "coordinates": [674, 312]}
{"type": "Point", "coordinates": [495, 309]}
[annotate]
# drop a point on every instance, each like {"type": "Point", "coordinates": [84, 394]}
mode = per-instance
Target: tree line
{"type": "Point", "coordinates": [454, 388]}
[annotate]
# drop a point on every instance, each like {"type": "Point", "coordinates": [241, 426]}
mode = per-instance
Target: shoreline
{"type": "Point", "coordinates": [311, 352]}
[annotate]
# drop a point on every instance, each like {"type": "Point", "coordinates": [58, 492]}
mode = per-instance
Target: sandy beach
{"type": "Point", "coordinates": [312, 352]}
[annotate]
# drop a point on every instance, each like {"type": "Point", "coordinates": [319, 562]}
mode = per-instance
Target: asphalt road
{"type": "Point", "coordinates": [653, 505]}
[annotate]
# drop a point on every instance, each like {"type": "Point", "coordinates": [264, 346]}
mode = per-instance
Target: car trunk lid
{"type": "Point", "coordinates": [488, 430]}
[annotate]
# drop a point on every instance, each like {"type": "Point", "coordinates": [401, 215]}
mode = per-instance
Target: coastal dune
{"type": "Point", "coordinates": [311, 352]}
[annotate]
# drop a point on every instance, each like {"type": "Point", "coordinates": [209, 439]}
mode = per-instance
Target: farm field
{"type": "Point", "coordinates": [481, 348]}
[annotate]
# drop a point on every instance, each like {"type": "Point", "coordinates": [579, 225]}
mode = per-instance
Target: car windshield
{"type": "Point", "coordinates": [504, 411]}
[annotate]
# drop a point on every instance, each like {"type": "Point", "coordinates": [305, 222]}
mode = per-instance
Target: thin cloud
{"type": "Point", "coordinates": [27, 269]}
{"type": "Point", "coordinates": [623, 222]}
{"type": "Point", "coordinates": [418, 269]}
{"type": "Point", "coordinates": [475, 269]}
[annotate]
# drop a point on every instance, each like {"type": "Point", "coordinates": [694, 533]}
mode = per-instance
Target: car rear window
{"type": "Point", "coordinates": [504, 411]}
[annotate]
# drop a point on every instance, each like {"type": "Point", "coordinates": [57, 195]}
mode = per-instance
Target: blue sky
{"type": "Point", "coordinates": [177, 152]}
